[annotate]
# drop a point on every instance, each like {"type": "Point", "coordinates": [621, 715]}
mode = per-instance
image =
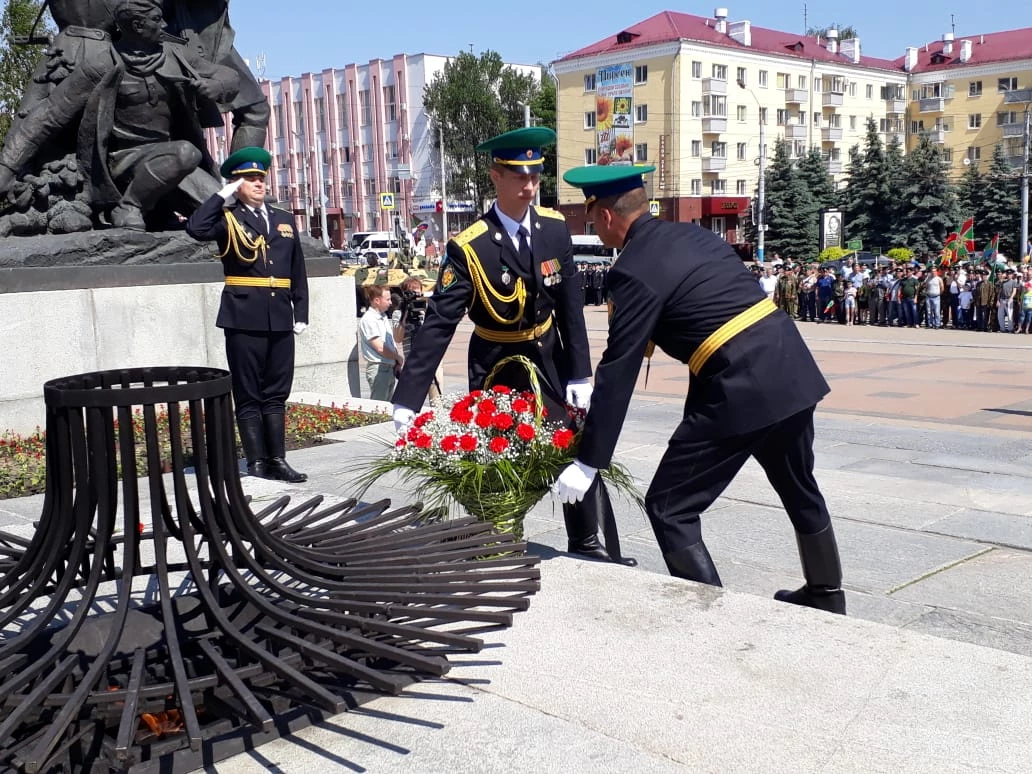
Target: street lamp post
{"type": "Point", "coordinates": [761, 188]}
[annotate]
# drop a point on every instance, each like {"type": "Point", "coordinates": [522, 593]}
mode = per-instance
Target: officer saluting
{"type": "Point", "coordinates": [513, 271]}
{"type": "Point", "coordinates": [264, 305]}
{"type": "Point", "coordinates": [754, 383]}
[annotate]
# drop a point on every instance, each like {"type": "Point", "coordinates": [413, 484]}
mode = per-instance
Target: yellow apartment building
{"type": "Point", "coordinates": [970, 94]}
{"type": "Point", "coordinates": [688, 94]}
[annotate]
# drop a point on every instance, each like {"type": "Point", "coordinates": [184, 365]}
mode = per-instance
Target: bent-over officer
{"type": "Point", "coordinates": [264, 305]}
{"type": "Point", "coordinates": [754, 383]}
{"type": "Point", "coordinates": [513, 272]}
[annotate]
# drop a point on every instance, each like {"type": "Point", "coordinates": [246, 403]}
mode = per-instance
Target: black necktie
{"type": "Point", "coordinates": [262, 218]}
{"type": "Point", "coordinates": [526, 256]}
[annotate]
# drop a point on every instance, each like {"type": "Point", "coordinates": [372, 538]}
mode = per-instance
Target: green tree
{"type": "Point", "coordinates": [17, 62]}
{"type": "Point", "coordinates": [543, 110]}
{"type": "Point", "coordinates": [471, 99]}
{"type": "Point", "coordinates": [790, 208]}
{"type": "Point", "coordinates": [869, 197]}
{"type": "Point", "coordinates": [930, 201]}
{"type": "Point", "coordinates": [970, 191]}
{"type": "Point", "coordinates": [1000, 210]}
{"type": "Point", "coordinates": [845, 31]}
{"type": "Point", "coordinates": [814, 171]}
{"type": "Point", "coordinates": [895, 178]}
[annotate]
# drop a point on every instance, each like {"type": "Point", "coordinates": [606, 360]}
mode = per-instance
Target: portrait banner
{"type": "Point", "coordinates": [614, 97]}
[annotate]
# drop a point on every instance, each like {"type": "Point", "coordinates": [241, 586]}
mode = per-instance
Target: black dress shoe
{"type": "Point", "coordinates": [257, 469]}
{"type": "Point", "coordinates": [828, 600]}
{"type": "Point", "coordinates": [278, 469]}
{"type": "Point", "coordinates": [592, 548]}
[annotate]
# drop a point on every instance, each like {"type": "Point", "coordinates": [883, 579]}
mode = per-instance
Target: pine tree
{"type": "Point", "coordinates": [1001, 205]}
{"type": "Point", "coordinates": [790, 211]}
{"type": "Point", "coordinates": [895, 176]}
{"type": "Point", "coordinates": [970, 193]}
{"type": "Point", "coordinates": [814, 171]}
{"type": "Point", "coordinates": [930, 200]}
{"type": "Point", "coordinates": [870, 198]}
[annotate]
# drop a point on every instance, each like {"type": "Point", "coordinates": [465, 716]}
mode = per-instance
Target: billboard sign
{"type": "Point", "coordinates": [614, 114]}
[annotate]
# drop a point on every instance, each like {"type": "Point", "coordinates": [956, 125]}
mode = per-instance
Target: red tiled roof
{"type": "Point", "coordinates": [670, 26]}
{"type": "Point", "coordinates": [988, 47]}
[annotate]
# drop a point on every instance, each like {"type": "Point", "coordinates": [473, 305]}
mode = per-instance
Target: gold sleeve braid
{"type": "Point", "coordinates": [237, 241]}
{"type": "Point", "coordinates": [485, 290]}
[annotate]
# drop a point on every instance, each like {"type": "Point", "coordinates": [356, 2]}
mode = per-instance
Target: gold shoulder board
{"type": "Point", "coordinates": [548, 212]}
{"type": "Point", "coordinates": [471, 233]}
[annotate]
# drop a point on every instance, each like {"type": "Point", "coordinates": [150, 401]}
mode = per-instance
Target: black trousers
{"type": "Point", "coordinates": [696, 469]}
{"type": "Point", "coordinates": [262, 367]}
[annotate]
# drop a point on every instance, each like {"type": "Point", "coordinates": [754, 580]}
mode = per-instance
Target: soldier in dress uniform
{"type": "Point", "coordinates": [512, 271]}
{"type": "Point", "coordinates": [754, 384]}
{"type": "Point", "coordinates": [264, 305]}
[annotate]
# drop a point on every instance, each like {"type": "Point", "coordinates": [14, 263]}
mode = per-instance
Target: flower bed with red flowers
{"type": "Point", "coordinates": [23, 458]}
{"type": "Point", "coordinates": [494, 452]}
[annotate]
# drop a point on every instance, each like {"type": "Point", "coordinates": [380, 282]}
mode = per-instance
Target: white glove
{"type": "Point", "coordinates": [299, 328]}
{"type": "Point", "coordinates": [573, 483]}
{"type": "Point", "coordinates": [578, 393]}
{"type": "Point", "coordinates": [403, 417]}
{"type": "Point", "coordinates": [230, 189]}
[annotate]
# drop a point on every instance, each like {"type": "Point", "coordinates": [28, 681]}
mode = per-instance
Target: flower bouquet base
{"type": "Point", "coordinates": [504, 510]}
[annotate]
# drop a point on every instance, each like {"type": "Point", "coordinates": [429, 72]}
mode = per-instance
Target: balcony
{"type": "Point", "coordinates": [831, 133]}
{"type": "Point", "coordinates": [1017, 96]}
{"type": "Point", "coordinates": [935, 136]}
{"type": "Point", "coordinates": [834, 167]}
{"type": "Point", "coordinates": [796, 96]}
{"type": "Point", "coordinates": [898, 137]}
{"type": "Point", "coordinates": [1013, 130]}
{"type": "Point", "coordinates": [714, 86]}
{"type": "Point", "coordinates": [795, 132]}
{"type": "Point", "coordinates": [1015, 162]}
{"type": "Point", "coordinates": [714, 124]}
{"type": "Point", "coordinates": [931, 105]}
{"type": "Point", "coordinates": [832, 99]}
{"type": "Point", "coordinates": [714, 164]}
{"type": "Point", "coordinates": [895, 107]}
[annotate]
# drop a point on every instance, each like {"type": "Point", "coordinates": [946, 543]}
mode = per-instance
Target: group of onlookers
{"type": "Point", "coordinates": [967, 296]}
{"type": "Point", "coordinates": [592, 278]}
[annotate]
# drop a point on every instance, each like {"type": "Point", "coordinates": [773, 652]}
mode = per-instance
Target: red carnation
{"type": "Point", "coordinates": [400, 443]}
{"type": "Point", "coordinates": [525, 432]}
{"type": "Point", "coordinates": [502, 421]}
{"type": "Point", "coordinates": [450, 443]}
{"type": "Point", "coordinates": [483, 420]}
{"type": "Point", "coordinates": [424, 441]}
{"type": "Point", "coordinates": [487, 407]}
{"type": "Point", "coordinates": [498, 444]}
{"type": "Point", "coordinates": [562, 438]}
{"type": "Point", "coordinates": [467, 442]}
{"type": "Point", "coordinates": [520, 405]}
{"type": "Point", "coordinates": [476, 393]}
{"type": "Point", "coordinates": [422, 419]}
{"type": "Point", "coordinates": [501, 389]}
{"type": "Point", "coordinates": [462, 415]}
{"type": "Point", "coordinates": [465, 402]}
{"type": "Point", "coordinates": [413, 434]}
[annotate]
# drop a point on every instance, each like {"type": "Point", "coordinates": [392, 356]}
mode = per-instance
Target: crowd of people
{"type": "Point", "coordinates": [592, 279]}
{"type": "Point", "coordinates": [969, 296]}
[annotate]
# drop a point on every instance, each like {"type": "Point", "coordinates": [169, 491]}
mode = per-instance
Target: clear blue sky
{"type": "Point", "coordinates": [307, 35]}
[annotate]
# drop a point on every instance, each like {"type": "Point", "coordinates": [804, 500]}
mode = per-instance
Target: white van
{"type": "Point", "coordinates": [360, 236]}
{"type": "Point", "coordinates": [380, 244]}
{"type": "Point", "coordinates": [588, 248]}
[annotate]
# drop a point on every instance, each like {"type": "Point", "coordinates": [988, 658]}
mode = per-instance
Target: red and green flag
{"type": "Point", "coordinates": [966, 239]}
{"type": "Point", "coordinates": [989, 254]}
{"type": "Point", "coordinates": [949, 250]}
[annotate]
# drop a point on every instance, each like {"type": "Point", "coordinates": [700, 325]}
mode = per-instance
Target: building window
{"type": "Point", "coordinates": [1006, 84]}
{"type": "Point", "coordinates": [390, 108]}
{"type": "Point", "coordinates": [299, 118]}
{"type": "Point", "coordinates": [763, 115]}
{"type": "Point", "coordinates": [396, 184]}
{"type": "Point", "coordinates": [589, 119]}
{"type": "Point", "coordinates": [975, 121]}
{"type": "Point", "coordinates": [852, 89]}
{"type": "Point", "coordinates": [641, 74]}
{"type": "Point", "coordinates": [589, 82]}
{"type": "Point", "coordinates": [342, 111]}
{"type": "Point", "coordinates": [590, 156]}
{"type": "Point", "coordinates": [974, 153]}
{"type": "Point", "coordinates": [1006, 117]}
{"type": "Point", "coordinates": [852, 123]}
{"type": "Point", "coordinates": [696, 148]}
{"type": "Point", "coordinates": [975, 89]}
{"type": "Point", "coordinates": [719, 72]}
{"type": "Point", "coordinates": [816, 119]}
{"type": "Point", "coordinates": [277, 120]}
{"type": "Point", "coordinates": [740, 187]}
{"type": "Point", "coordinates": [696, 69]}
{"type": "Point", "coordinates": [762, 80]}
{"type": "Point", "coordinates": [641, 114]}
{"type": "Point", "coordinates": [718, 186]}
{"type": "Point", "coordinates": [740, 111]}
{"type": "Point", "coordinates": [363, 105]}
{"type": "Point", "coordinates": [801, 83]}
{"type": "Point", "coordinates": [370, 187]}
{"type": "Point", "coordinates": [391, 150]}
{"type": "Point", "coordinates": [320, 117]}
{"type": "Point", "coordinates": [718, 150]}
{"type": "Point", "coordinates": [740, 76]}
{"type": "Point", "coordinates": [696, 109]}
{"type": "Point", "coordinates": [345, 155]}
{"type": "Point", "coordinates": [947, 155]}
{"type": "Point", "coordinates": [641, 151]}
{"type": "Point", "coordinates": [714, 105]}
{"type": "Point", "coordinates": [782, 117]}
{"type": "Point", "coordinates": [740, 151]}
{"type": "Point", "coordinates": [696, 187]}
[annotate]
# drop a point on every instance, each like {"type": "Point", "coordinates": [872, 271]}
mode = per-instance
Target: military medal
{"type": "Point", "coordinates": [550, 272]}
{"type": "Point", "coordinates": [506, 277]}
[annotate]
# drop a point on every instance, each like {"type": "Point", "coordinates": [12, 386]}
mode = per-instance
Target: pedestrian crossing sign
{"type": "Point", "coordinates": [386, 201]}
{"type": "Point", "coordinates": [654, 208]}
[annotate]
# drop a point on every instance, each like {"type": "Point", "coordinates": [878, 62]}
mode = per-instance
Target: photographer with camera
{"type": "Point", "coordinates": [407, 319]}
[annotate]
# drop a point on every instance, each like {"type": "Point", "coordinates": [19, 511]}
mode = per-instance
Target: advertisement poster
{"type": "Point", "coordinates": [614, 89]}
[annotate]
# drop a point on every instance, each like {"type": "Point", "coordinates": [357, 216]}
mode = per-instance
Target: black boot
{"type": "Point", "coordinates": [823, 573]}
{"type": "Point", "coordinates": [275, 442]}
{"type": "Point", "coordinates": [692, 563]}
{"type": "Point", "coordinates": [582, 523]}
{"type": "Point", "coordinates": [252, 438]}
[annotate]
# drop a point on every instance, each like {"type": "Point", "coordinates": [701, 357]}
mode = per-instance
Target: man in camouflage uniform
{"type": "Point", "coordinates": [787, 295]}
